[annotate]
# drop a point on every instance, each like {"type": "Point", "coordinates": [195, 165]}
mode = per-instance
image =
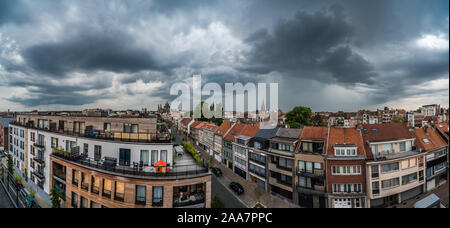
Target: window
{"type": "Point", "coordinates": [54, 142]}
{"type": "Point", "coordinates": [154, 156]}
{"type": "Point", "coordinates": [74, 200]}
{"type": "Point", "coordinates": [130, 128]}
{"type": "Point", "coordinates": [301, 166]}
{"type": "Point", "coordinates": [157, 196]}
{"type": "Point", "coordinates": [97, 153]}
{"type": "Point", "coordinates": [95, 205]}
{"type": "Point", "coordinates": [95, 185]}
{"type": "Point", "coordinates": [86, 148]}
{"type": "Point", "coordinates": [140, 195]}
{"type": "Point", "coordinates": [409, 178]}
{"type": "Point", "coordinates": [309, 167]}
{"type": "Point", "coordinates": [119, 191]}
{"type": "Point", "coordinates": [144, 157]}
{"type": "Point", "coordinates": [375, 188]}
{"type": "Point", "coordinates": [107, 127]}
{"type": "Point", "coordinates": [386, 168]}
{"type": "Point", "coordinates": [305, 182]}
{"type": "Point", "coordinates": [164, 155]}
{"type": "Point", "coordinates": [84, 182]}
{"type": "Point", "coordinates": [388, 148]}
{"type": "Point", "coordinates": [84, 202]}
{"type": "Point", "coordinates": [410, 163]}
{"type": "Point", "coordinates": [390, 183]}
{"type": "Point", "coordinates": [75, 177]}
{"type": "Point", "coordinates": [402, 146]}
{"type": "Point", "coordinates": [107, 188]}
{"type": "Point", "coordinates": [318, 166]}
{"type": "Point", "coordinates": [307, 147]}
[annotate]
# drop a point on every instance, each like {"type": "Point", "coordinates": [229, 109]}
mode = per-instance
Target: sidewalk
{"type": "Point", "coordinates": [253, 193]}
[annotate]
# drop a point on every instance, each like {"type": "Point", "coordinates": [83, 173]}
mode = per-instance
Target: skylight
{"type": "Point", "coordinates": [426, 141]}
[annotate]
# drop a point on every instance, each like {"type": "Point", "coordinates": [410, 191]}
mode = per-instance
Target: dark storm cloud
{"type": "Point", "coordinates": [13, 11]}
{"type": "Point", "coordinates": [93, 51]}
{"type": "Point", "coordinates": [314, 42]}
{"type": "Point", "coordinates": [69, 98]}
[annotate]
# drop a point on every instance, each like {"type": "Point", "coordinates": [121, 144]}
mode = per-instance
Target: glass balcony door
{"type": "Point", "coordinates": [125, 157]}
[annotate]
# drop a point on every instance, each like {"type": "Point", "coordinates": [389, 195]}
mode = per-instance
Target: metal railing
{"type": "Point", "coordinates": [103, 135]}
{"type": "Point", "coordinates": [173, 171]}
{"type": "Point", "coordinates": [16, 192]}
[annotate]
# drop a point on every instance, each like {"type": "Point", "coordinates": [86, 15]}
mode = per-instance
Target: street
{"type": "Point", "coordinates": [225, 194]}
{"type": "Point", "coordinates": [4, 201]}
{"type": "Point", "coordinates": [231, 200]}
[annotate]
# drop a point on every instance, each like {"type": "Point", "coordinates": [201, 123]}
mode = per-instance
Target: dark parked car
{"type": "Point", "coordinates": [217, 171]}
{"type": "Point", "coordinates": [236, 187]}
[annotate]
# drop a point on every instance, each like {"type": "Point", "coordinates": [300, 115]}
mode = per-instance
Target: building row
{"type": "Point", "coordinates": [372, 165]}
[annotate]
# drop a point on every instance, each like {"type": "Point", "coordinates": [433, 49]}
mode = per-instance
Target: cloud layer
{"type": "Point", "coordinates": [126, 54]}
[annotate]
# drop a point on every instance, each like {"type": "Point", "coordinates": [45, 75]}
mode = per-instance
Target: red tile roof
{"type": "Point", "coordinates": [198, 124]}
{"type": "Point", "coordinates": [386, 132]}
{"type": "Point", "coordinates": [211, 127]}
{"type": "Point", "coordinates": [249, 130]}
{"type": "Point", "coordinates": [224, 128]}
{"type": "Point", "coordinates": [435, 140]}
{"type": "Point", "coordinates": [316, 133]}
{"type": "Point", "coordinates": [348, 136]}
{"type": "Point", "coordinates": [186, 121]}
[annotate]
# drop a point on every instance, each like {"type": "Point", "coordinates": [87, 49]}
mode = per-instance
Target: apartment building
{"type": "Point", "coordinates": [345, 169]}
{"type": "Point", "coordinates": [281, 163]}
{"type": "Point", "coordinates": [207, 137]}
{"type": "Point", "coordinates": [310, 168]}
{"type": "Point", "coordinates": [240, 149]}
{"type": "Point", "coordinates": [18, 148]}
{"type": "Point", "coordinates": [429, 140]}
{"type": "Point", "coordinates": [258, 157]}
{"type": "Point", "coordinates": [227, 147]}
{"type": "Point", "coordinates": [223, 129]}
{"type": "Point", "coordinates": [431, 110]}
{"type": "Point", "coordinates": [395, 169]}
{"type": "Point", "coordinates": [102, 167]}
{"type": "Point", "coordinates": [195, 131]}
{"type": "Point", "coordinates": [4, 132]}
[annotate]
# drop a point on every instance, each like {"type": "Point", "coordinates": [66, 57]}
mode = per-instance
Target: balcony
{"type": "Point", "coordinates": [191, 201]}
{"type": "Point", "coordinates": [85, 186]}
{"type": "Point", "coordinates": [381, 156]}
{"type": "Point", "coordinates": [316, 190]}
{"type": "Point", "coordinates": [39, 146]}
{"type": "Point", "coordinates": [102, 135]}
{"type": "Point", "coordinates": [170, 172]}
{"type": "Point", "coordinates": [39, 175]}
{"type": "Point", "coordinates": [318, 174]}
{"type": "Point", "coordinates": [40, 161]}
{"type": "Point", "coordinates": [95, 190]}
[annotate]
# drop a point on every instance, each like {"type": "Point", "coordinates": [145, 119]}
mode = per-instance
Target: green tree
{"type": "Point", "coordinates": [299, 116]}
{"type": "Point", "coordinates": [398, 119]}
{"type": "Point", "coordinates": [317, 120]}
{"type": "Point", "coordinates": [216, 121]}
{"type": "Point", "coordinates": [10, 164]}
{"type": "Point", "coordinates": [55, 197]}
{"type": "Point", "coordinates": [217, 202]}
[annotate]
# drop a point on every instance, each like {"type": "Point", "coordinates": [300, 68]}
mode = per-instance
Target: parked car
{"type": "Point", "coordinates": [236, 187]}
{"type": "Point", "coordinates": [216, 171]}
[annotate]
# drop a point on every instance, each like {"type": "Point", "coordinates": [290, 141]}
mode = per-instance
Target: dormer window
{"type": "Point", "coordinates": [351, 151]}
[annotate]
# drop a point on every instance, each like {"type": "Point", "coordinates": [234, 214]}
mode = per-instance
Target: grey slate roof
{"type": "Point", "coordinates": [267, 133]}
{"type": "Point", "coordinates": [289, 133]}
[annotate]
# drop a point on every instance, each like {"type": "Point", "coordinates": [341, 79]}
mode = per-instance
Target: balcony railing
{"type": "Point", "coordinates": [39, 160]}
{"type": "Point", "coordinates": [39, 145]}
{"type": "Point", "coordinates": [39, 175]}
{"type": "Point", "coordinates": [319, 174]}
{"type": "Point", "coordinates": [99, 134]}
{"type": "Point", "coordinates": [174, 171]}
{"type": "Point", "coordinates": [316, 190]}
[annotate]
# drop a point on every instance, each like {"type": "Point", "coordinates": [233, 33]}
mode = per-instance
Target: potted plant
{"type": "Point", "coordinates": [17, 181]}
{"type": "Point", "coordinates": [31, 197]}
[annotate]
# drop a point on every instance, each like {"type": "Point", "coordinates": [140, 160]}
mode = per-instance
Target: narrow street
{"type": "Point", "coordinates": [4, 200]}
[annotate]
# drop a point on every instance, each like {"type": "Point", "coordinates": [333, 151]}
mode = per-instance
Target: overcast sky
{"type": "Point", "coordinates": [327, 55]}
